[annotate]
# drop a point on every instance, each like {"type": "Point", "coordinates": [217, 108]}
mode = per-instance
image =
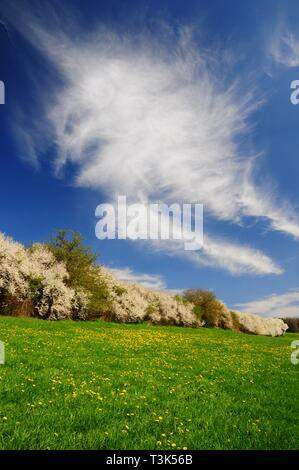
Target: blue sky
{"type": "Point", "coordinates": [186, 99]}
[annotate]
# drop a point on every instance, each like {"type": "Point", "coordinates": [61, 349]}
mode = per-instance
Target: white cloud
{"type": "Point", "coordinates": [222, 254]}
{"type": "Point", "coordinates": [283, 305]}
{"type": "Point", "coordinates": [151, 281]}
{"type": "Point", "coordinates": [236, 258]}
{"type": "Point", "coordinates": [152, 119]}
{"type": "Point", "coordinates": [284, 49]}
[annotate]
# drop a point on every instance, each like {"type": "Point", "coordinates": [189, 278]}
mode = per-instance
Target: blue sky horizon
{"type": "Point", "coordinates": [185, 101]}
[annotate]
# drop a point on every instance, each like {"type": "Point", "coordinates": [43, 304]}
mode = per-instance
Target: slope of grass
{"type": "Point", "coordinates": [96, 385]}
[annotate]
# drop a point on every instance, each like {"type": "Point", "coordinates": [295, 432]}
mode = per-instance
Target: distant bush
{"type": "Point", "coordinates": [151, 309]}
{"type": "Point", "coordinates": [237, 326]}
{"type": "Point", "coordinates": [197, 310]}
{"type": "Point", "coordinates": [181, 299]}
{"type": "Point", "coordinates": [208, 308]}
{"type": "Point", "coordinates": [293, 324]}
{"type": "Point", "coordinates": [119, 290]}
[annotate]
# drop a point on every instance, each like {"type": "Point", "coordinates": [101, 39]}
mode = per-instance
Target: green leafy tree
{"type": "Point", "coordinates": [84, 274]}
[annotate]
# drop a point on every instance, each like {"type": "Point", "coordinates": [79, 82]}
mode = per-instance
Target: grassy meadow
{"type": "Point", "coordinates": [96, 385]}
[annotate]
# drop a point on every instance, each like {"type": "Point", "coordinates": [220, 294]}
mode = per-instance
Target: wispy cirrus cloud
{"type": "Point", "coordinates": [153, 118]}
{"type": "Point", "coordinates": [151, 281]}
{"type": "Point", "coordinates": [284, 48]}
{"type": "Point", "coordinates": [222, 254]}
{"type": "Point", "coordinates": [235, 258]}
{"type": "Point", "coordinates": [275, 305]}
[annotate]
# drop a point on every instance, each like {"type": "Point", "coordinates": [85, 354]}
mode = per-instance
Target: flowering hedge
{"type": "Point", "coordinates": [62, 280]}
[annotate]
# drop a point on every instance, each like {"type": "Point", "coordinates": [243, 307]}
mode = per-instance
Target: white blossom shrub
{"type": "Point", "coordinates": [14, 268]}
{"type": "Point", "coordinates": [254, 324]}
{"type": "Point", "coordinates": [79, 305]}
{"type": "Point", "coordinates": [134, 303]}
{"type": "Point", "coordinates": [52, 298]}
{"type": "Point", "coordinates": [34, 274]}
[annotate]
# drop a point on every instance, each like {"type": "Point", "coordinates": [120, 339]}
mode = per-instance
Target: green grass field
{"type": "Point", "coordinates": [96, 385]}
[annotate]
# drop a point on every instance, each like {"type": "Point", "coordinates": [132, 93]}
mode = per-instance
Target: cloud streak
{"type": "Point", "coordinates": [151, 281]}
{"type": "Point", "coordinates": [284, 49]}
{"type": "Point", "coordinates": [283, 305]}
